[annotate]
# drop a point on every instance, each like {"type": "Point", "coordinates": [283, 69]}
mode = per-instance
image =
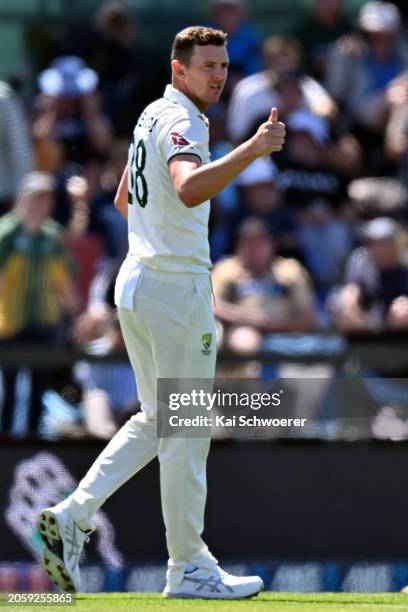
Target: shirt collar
{"type": "Point", "coordinates": [175, 95]}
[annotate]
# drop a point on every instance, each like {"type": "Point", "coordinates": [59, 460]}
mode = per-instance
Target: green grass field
{"type": "Point", "coordinates": [282, 602]}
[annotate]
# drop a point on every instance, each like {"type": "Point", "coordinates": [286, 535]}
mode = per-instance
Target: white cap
{"type": "Point", "coordinates": [382, 228]}
{"type": "Point", "coordinates": [379, 17]}
{"type": "Point", "coordinates": [35, 183]}
{"type": "Point", "coordinates": [305, 121]}
{"type": "Point", "coordinates": [261, 170]}
{"type": "Point", "coordinates": [68, 76]}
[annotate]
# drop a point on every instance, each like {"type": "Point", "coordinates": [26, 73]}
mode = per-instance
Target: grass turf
{"type": "Point", "coordinates": [282, 602]}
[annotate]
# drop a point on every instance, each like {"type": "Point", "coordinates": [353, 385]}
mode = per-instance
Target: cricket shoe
{"type": "Point", "coordinates": [214, 584]}
{"type": "Point", "coordinates": [63, 543]}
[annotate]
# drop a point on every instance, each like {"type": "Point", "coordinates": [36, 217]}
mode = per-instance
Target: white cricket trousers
{"type": "Point", "coordinates": [163, 333]}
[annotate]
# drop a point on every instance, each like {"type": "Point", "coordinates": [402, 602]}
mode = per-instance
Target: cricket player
{"type": "Point", "coordinates": [163, 296]}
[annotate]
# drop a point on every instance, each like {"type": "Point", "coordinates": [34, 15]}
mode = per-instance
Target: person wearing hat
{"type": "Point", "coordinates": [363, 67]}
{"type": "Point", "coordinates": [36, 286]}
{"type": "Point", "coordinates": [110, 42]}
{"type": "Point", "coordinates": [315, 163]}
{"type": "Point", "coordinates": [375, 290]}
{"type": "Point", "coordinates": [261, 198]}
{"type": "Point", "coordinates": [257, 292]}
{"type": "Point", "coordinates": [69, 110]}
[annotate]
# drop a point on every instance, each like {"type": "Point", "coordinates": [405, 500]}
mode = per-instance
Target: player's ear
{"type": "Point", "coordinates": [179, 69]}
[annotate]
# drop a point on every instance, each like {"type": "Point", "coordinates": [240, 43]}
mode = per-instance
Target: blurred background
{"type": "Point", "coordinates": [310, 281]}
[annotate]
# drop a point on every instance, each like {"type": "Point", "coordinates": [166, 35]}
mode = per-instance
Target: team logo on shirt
{"type": "Point", "coordinates": [206, 340]}
{"type": "Point", "coordinates": [178, 139]}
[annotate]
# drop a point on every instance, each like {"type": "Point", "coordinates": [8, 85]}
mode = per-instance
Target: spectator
{"type": "Point", "coordinates": [49, 156]}
{"type": "Point", "coordinates": [375, 293]}
{"type": "Point", "coordinates": [86, 248]}
{"type": "Point", "coordinates": [363, 67]}
{"type": "Point", "coordinates": [257, 293]}
{"type": "Point", "coordinates": [69, 110]}
{"type": "Point", "coordinates": [225, 205]}
{"type": "Point", "coordinates": [110, 46]}
{"type": "Point", "coordinates": [325, 241]}
{"type": "Point", "coordinates": [312, 164]}
{"type": "Point", "coordinates": [244, 38]}
{"type": "Point", "coordinates": [109, 388]}
{"type": "Point", "coordinates": [105, 220]}
{"type": "Point", "coordinates": [15, 146]}
{"type": "Point", "coordinates": [325, 22]}
{"type": "Point", "coordinates": [396, 137]}
{"type": "Point", "coordinates": [261, 198]}
{"type": "Point", "coordinates": [254, 96]}
{"type": "Point", "coordinates": [36, 285]}
{"type": "Point", "coordinates": [380, 196]}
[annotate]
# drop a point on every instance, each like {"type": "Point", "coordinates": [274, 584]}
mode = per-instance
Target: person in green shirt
{"type": "Point", "coordinates": [36, 284]}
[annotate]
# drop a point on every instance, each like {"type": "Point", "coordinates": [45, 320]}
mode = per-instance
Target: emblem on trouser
{"type": "Point", "coordinates": [206, 340]}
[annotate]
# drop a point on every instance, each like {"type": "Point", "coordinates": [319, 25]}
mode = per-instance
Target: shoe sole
{"type": "Point", "coordinates": [210, 596]}
{"type": "Point", "coordinates": [53, 561]}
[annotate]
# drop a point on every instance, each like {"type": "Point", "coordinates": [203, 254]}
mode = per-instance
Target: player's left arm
{"type": "Point", "coordinates": [121, 197]}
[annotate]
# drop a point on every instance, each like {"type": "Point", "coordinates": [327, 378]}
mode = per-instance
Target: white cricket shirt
{"type": "Point", "coordinates": [164, 234]}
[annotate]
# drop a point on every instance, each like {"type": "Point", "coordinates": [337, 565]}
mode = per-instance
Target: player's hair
{"type": "Point", "coordinates": [185, 40]}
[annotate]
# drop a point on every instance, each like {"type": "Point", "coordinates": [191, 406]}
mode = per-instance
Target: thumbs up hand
{"type": "Point", "coordinates": [270, 136]}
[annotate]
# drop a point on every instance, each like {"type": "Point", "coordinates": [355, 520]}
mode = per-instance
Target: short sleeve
{"type": "Point", "coordinates": [182, 136]}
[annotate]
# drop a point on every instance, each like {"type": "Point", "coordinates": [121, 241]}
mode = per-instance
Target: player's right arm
{"type": "Point", "coordinates": [196, 183]}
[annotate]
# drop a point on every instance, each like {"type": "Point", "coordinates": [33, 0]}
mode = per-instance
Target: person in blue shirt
{"type": "Point", "coordinates": [244, 39]}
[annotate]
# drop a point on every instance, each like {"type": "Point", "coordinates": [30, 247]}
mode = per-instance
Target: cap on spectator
{"type": "Point", "coordinates": [68, 76]}
{"type": "Point", "coordinates": [381, 228]}
{"type": "Point", "coordinates": [261, 170]}
{"type": "Point", "coordinates": [253, 226]}
{"type": "Point", "coordinates": [379, 17]}
{"type": "Point", "coordinates": [305, 121]}
{"type": "Point", "coordinates": [377, 196]}
{"type": "Point", "coordinates": [36, 183]}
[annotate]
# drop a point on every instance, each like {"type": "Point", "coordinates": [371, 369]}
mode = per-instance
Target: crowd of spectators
{"type": "Point", "coordinates": [311, 239]}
